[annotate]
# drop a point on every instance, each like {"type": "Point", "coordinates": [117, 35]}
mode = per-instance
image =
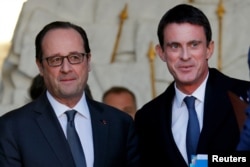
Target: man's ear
{"type": "Point", "coordinates": [40, 67]}
{"type": "Point", "coordinates": [210, 50]}
{"type": "Point", "coordinates": [160, 52]}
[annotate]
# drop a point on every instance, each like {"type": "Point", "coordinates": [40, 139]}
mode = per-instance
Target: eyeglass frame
{"type": "Point", "coordinates": [63, 57]}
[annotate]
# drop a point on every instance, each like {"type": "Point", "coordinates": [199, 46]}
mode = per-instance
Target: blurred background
{"type": "Point", "coordinates": [9, 13]}
{"type": "Point", "coordinates": [133, 63]}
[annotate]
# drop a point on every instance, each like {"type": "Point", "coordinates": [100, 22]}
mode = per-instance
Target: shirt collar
{"type": "Point", "coordinates": [81, 107]}
{"type": "Point", "coordinates": [199, 93]}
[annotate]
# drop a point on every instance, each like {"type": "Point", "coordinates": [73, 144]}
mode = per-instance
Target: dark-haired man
{"type": "Point", "coordinates": [64, 127]}
{"type": "Point", "coordinates": [194, 115]}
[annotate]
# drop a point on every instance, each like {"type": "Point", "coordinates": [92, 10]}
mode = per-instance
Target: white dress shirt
{"type": "Point", "coordinates": [82, 124]}
{"type": "Point", "coordinates": [180, 116]}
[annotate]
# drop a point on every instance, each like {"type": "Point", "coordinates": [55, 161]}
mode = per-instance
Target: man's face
{"type": "Point", "coordinates": [186, 53]}
{"type": "Point", "coordinates": [123, 101]}
{"type": "Point", "coordinates": [68, 80]}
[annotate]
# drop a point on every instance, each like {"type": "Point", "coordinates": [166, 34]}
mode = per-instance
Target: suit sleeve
{"type": "Point", "coordinates": [9, 155]}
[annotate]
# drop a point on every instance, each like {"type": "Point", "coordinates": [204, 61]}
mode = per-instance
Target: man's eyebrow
{"type": "Point", "coordinates": [195, 41]}
{"type": "Point", "coordinates": [53, 55]}
{"type": "Point", "coordinates": [171, 43]}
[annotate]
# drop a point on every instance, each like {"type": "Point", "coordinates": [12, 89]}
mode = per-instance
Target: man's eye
{"type": "Point", "coordinates": [194, 44]}
{"type": "Point", "coordinates": [74, 57]}
{"type": "Point", "coordinates": [173, 45]}
{"type": "Point", "coordinates": [56, 59]}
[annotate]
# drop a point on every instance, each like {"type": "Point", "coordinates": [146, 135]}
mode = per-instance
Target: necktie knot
{"type": "Point", "coordinates": [190, 101]}
{"type": "Point", "coordinates": [71, 116]}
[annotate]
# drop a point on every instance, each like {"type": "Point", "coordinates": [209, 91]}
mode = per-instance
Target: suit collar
{"type": "Point", "coordinates": [59, 108]}
{"type": "Point", "coordinates": [166, 115]}
{"type": "Point", "coordinates": [52, 131]}
{"type": "Point", "coordinates": [100, 128]}
{"type": "Point", "coordinates": [217, 106]}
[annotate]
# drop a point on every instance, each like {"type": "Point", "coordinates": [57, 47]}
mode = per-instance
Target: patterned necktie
{"type": "Point", "coordinates": [74, 141]}
{"type": "Point", "coordinates": [193, 128]}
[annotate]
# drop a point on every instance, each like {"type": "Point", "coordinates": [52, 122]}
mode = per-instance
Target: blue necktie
{"type": "Point", "coordinates": [74, 141]}
{"type": "Point", "coordinates": [193, 128]}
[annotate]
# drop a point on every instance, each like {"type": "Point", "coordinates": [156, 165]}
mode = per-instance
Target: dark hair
{"type": "Point", "coordinates": [88, 91]}
{"type": "Point", "coordinates": [37, 87]}
{"type": "Point", "coordinates": [58, 25]}
{"type": "Point", "coordinates": [117, 90]}
{"type": "Point", "coordinates": [184, 13]}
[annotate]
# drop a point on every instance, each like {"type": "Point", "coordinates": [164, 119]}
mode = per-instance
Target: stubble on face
{"type": "Point", "coordinates": [186, 54]}
{"type": "Point", "coordinates": [66, 83]}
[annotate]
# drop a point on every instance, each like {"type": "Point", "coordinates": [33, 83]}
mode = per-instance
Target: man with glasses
{"type": "Point", "coordinates": [64, 127]}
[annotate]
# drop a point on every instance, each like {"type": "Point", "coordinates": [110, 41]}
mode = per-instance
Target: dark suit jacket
{"type": "Point", "coordinates": [31, 136]}
{"type": "Point", "coordinates": [220, 132]}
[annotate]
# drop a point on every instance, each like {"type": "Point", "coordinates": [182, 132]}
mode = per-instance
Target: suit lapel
{"type": "Point", "coordinates": [165, 120]}
{"type": "Point", "coordinates": [214, 111]}
{"type": "Point", "coordinates": [100, 127]}
{"type": "Point", "coordinates": [53, 132]}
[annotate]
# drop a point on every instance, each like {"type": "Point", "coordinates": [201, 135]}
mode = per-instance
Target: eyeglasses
{"type": "Point", "coordinates": [73, 58]}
